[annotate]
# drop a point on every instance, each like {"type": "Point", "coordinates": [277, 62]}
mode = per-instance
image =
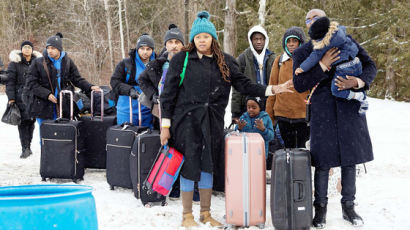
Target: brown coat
{"type": "Point", "coordinates": [289, 105]}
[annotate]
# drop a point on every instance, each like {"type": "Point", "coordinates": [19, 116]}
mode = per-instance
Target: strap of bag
{"type": "Point", "coordinates": [182, 75]}
{"type": "Point", "coordinates": [311, 93]}
{"type": "Point", "coordinates": [48, 75]}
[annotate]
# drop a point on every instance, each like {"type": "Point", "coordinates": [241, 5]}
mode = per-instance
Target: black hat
{"type": "Point", "coordinates": [145, 40]}
{"type": "Point", "coordinates": [56, 41]}
{"type": "Point", "coordinates": [319, 28]}
{"type": "Point", "coordinates": [258, 100]}
{"type": "Point", "coordinates": [26, 43]}
{"type": "Point", "coordinates": [173, 33]}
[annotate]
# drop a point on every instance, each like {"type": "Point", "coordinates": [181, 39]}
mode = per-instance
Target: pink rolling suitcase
{"type": "Point", "coordinates": [245, 180]}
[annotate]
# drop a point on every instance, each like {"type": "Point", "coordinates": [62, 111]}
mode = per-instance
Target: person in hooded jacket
{"type": "Point", "coordinates": [61, 74]}
{"type": "Point", "coordinates": [288, 110]}
{"type": "Point", "coordinates": [124, 82]}
{"type": "Point", "coordinates": [256, 63]}
{"type": "Point", "coordinates": [193, 108]}
{"type": "Point", "coordinates": [20, 61]}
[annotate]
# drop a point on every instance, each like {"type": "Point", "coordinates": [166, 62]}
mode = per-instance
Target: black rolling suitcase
{"type": "Point", "coordinates": [120, 139]}
{"type": "Point", "coordinates": [143, 155]}
{"type": "Point", "coordinates": [62, 145]}
{"type": "Point", "coordinates": [95, 129]}
{"type": "Point", "coordinates": [291, 190]}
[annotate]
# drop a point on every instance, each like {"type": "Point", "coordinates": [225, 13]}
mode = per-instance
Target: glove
{"type": "Point", "coordinates": [133, 93]}
{"type": "Point", "coordinates": [155, 99]}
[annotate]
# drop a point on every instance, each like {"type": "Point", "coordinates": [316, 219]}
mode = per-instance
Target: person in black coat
{"type": "Point", "coordinates": [63, 74]}
{"type": "Point", "coordinates": [339, 135]}
{"type": "Point", "coordinates": [20, 61]}
{"type": "Point", "coordinates": [193, 111]}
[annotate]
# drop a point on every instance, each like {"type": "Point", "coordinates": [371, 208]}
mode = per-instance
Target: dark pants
{"type": "Point", "coordinates": [294, 135]}
{"type": "Point", "coordinates": [26, 129]}
{"type": "Point", "coordinates": [348, 184]}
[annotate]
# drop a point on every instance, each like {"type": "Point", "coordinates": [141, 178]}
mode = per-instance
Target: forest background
{"type": "Point", "coordinates": [99, 33]}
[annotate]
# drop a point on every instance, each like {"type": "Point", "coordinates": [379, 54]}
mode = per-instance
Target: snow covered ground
{"type": "Point", "coordinates": [382, 194]}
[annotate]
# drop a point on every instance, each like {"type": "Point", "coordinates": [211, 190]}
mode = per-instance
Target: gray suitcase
{"type": "Point", "coordinates": [291, 189]}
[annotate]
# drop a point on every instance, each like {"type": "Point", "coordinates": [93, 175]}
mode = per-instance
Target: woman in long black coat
{"type": "Point", "coordinates": [20, 61]}
{"type": "Point", "coordinates": [193, 113]}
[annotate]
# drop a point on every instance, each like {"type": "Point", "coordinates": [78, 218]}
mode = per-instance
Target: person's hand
{"type": "Point", "coordinates": [133, 93]}
{"type": "Point", "coordinates": [165, 135]}
{"type": "Point", "coordinates": [155, 99]}
{"type": "Point", "coordinates": [330, 57]}
{"type": "Point", "coordinates": [298, 71]}
{"type": "Point", "coordinates": [11, 102]}
{"type": "Point", "coordinates": [259, 124]}
{"type": "Point", "coordinates": [342, 84]}
{"type": "Point", "coordinates": [52, 98]}
{"type": "Point", "coordinates": [283, 88]}
{"type": "Point", "coordinates": [235, 120]}
{"type": "Point", "coordinates": [241, 124]}
{"type": "Point", "coordinates": [95, 87]}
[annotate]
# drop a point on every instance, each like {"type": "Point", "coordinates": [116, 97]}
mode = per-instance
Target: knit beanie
{"type": "Point", "coordinates": [26, 43]}
{"type": "Point", "coordinates": [145, 40]}
{"type": "Point", "coordinates": [258, 100]}
{"type": "Point", "coordinates": [173, 33]}
{"type": "Point", "coordinates": [202, 25]}
{"type": "Point", "coordinates": [293, 32]}
{"type": "Point", "coordinates": [319, 28]}
{"type": "Point", "coordinates": [56, 41]}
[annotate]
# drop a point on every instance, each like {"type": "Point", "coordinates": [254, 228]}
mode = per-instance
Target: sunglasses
{"type": "Point", "coordinates": [311, 20]}
{"type": "Point", "coordinates": [27, 47]}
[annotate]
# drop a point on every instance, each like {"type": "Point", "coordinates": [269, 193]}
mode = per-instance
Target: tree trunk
{"type": "Point", "coordinates": [121, 30]}
{"type": "Point", "coordinates": [262, 11]}
{"type": "Point", "coordinates": [186, 17]}
{"type": "Point", "coordinates": [95, 76]}
{"type": "Point", "coordinates": [127, 25]}
{"type": "Point", "coordinates": [230, 28]}
{"type": "Point", "coordinates": [390, 83]}
{"type": "Point", "coordinates": [109, 31]}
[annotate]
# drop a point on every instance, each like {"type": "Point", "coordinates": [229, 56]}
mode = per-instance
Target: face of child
{"type": "Point", "coordinates": [253, 108]}
{"type": "Point", "coordinates": [203, 42]}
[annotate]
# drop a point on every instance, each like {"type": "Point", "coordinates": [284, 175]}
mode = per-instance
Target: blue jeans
{"type": "Point", "coordinates": [205, 182]}
{"type": "Point", "coordinates": [351, 68]}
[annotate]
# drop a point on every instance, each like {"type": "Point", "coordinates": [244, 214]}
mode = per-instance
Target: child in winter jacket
{"type": "Point", "coordinates": [255, 120]}
{"type": "Point", "coordinates": [326, 35]}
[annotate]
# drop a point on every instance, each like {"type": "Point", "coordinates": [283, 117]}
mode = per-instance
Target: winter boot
{"type": "Point", "coordinates": [26, 153]}
{"type": "Point", "coordinates": [205, 216]}
{"type": "Point", "coordinates": [187, 217]}
{"type": "Point", "coordinates": [319, 221]}
{"type": "Point", "coordinates": [350, 215]}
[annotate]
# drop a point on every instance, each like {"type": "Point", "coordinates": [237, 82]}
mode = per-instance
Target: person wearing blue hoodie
{"type": "Point", "coordinates": [255, 120]}
{"type": "Point", "coordinates": [124, 82]}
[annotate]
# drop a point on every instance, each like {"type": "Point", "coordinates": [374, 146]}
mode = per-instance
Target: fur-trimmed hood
{"type": "Point", "coordinates": [334, 28]}
{"type": "Point", "coordinates": [15, 55]}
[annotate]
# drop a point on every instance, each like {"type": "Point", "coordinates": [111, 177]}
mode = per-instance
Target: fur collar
{"type": "Point", "coordinates": [15, 55]}
{"type": "Point", "coordinates": [319, 44]}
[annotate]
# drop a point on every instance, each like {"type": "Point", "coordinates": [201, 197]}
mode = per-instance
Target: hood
{"type": "Point", "coordinates": [259, 29]}
{"type": "Point", "coordinates": [293, 31]}
{"type": "Point", "coordinates": [319, 44]}
{"type": "Point", "coordinates": [15, 55]}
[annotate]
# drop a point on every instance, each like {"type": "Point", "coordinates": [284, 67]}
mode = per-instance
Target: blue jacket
{"type": "Point", "coordinates": [335, 37]}
{"type": "Point", "coordinates": [250, 127]}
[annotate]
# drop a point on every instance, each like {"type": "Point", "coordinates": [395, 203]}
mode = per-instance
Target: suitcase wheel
{"type": "Point", "coordinates": [164, 203]}
{"type": "Point", "coordinates": [148, 205]}
{"type": "Point", "coordinates": [111, 187]}
{"type": "Point", "coordinates": [261, 226]}
{"type": "Point", "coordinates": [229, 226]}
{"type": "Point", "coordinates": [43, 179]}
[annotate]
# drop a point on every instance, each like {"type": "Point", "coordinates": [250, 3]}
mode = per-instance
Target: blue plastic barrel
{"type": "Point", "coordinates": [47, 207]}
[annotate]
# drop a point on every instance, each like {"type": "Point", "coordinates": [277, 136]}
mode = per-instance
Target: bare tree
{"type": "Point", "coordinates": [121, 30]}
{"type": "Point", "coordinates": [127, 28]}
{"type": "Point", "coordinates": [230, 27]}
{"type": "Point", "coordinates": [109, 31]}
{"type": "Point", "coordinates": [262, 11]}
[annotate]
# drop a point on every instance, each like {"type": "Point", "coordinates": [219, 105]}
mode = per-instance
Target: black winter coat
{"type": "Point", "coordinates": [39, 82]}
{"type": "Point", "coordinates": [197, 109]}
{"type": "Point", "coordinates": [17, 73]}
{"type": "Point", "coordinates": [339, 134]}
{"type": "Point", "coordinates": [149, 79]}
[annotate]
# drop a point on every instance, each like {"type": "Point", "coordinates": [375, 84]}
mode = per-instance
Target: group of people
{"type": "Point", "coordinates": [185, 89]}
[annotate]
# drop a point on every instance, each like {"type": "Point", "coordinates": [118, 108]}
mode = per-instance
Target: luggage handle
{"type": "Point", "coordinates": [139, 111]}
{"type": "Point", "coordinates": [102, 103]}
{"type": "Point", "coordinates": [299, 190]}
{"type": "Point", "coordinates": [71, 103]}
{"type": "Point", "coordinates": [147, 185]}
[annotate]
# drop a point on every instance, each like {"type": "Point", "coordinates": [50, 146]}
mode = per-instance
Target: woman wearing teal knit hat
{"type": "Point", "coordinates": [193, 102]}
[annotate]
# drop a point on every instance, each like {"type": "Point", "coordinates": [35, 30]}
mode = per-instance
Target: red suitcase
{"type": "Point", "coordinates": [245, 180]}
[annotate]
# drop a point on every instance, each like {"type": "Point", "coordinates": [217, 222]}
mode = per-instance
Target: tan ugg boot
{"type": "Point", "coordinates": [187, 217]}
{"type": "Point", "coordinates": [205, 201]}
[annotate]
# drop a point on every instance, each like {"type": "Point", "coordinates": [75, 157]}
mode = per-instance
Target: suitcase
{"type": "Point", "coordinates": [245, 180]}
{"type": "Point", "coordinates": [95, 155]}
{"type": "Point", "coordinates": [143, 154]}
{"type": "Point", "coordinates": [120, 139]}
{"type": "Point", "coordinates": [291, 189]}
{"type": "Point", "coordinates": [62, 146]}
{"type": "Point", "coordinates": [164, 172]}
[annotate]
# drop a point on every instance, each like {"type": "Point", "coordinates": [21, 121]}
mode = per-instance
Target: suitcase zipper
{"type": "Point", "coordinates": [138, 166]}
{"type": "Point", "coordinates": [119, 146]}
{"type": "Point", "coordinates": [58, 140]}
{"type": "Point", "coordinates": [245, 165]}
